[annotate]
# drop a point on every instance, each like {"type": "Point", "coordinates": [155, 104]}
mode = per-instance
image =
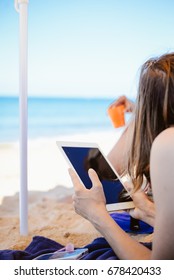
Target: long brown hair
{"type": "Point", "coordinates": [154, 112]}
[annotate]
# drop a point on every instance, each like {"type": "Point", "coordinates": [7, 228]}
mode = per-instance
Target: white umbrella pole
{"type": "Point", "coordinates": [22, 8]}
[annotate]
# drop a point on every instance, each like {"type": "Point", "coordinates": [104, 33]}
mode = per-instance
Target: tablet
{"type": "Point", "coordinates": [82, 156]}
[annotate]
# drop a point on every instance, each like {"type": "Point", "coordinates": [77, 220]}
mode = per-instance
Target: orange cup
{"type": "Point", "coordinates": [116, 113]}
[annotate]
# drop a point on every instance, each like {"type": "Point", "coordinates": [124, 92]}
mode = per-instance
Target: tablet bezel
{"type": "Point", "coordinates": [110, 207]}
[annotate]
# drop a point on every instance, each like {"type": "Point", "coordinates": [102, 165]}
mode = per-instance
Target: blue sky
{"type": "Point", "coordinates": [84, 47]}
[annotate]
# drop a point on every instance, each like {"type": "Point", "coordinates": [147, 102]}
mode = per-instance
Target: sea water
{"type": "Point", "coordinates": [51, 117]}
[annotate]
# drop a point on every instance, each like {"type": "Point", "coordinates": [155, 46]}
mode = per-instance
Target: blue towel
{"type": "Point", "coordinates": [99, 249]}
{"type": "Point", "coordinates": [38, 246]}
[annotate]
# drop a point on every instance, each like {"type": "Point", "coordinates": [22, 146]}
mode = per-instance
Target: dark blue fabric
{"type": "Point", "coordinates": [99, 249]}
{"type": "Point", "coordinates": [39, 245]}
{"type": "Point", "coordinates": [123, 220]}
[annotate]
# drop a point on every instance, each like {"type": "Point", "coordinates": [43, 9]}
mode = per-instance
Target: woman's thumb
{"type": "Point", "coordinates": [94, 177]}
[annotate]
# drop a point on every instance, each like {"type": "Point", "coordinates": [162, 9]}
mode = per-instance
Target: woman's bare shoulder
{"type": "Point", "coordinates": [164, 142]}
{"type": "Point", "coordinates": [162, 162]}
{"type": "Point", "coordinates": [162, 179]}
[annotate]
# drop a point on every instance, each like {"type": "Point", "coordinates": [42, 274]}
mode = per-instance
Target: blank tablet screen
{"type": "Point", "coordinates": [83, 158]}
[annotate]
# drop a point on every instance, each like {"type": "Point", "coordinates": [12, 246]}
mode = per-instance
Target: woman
{"type": "Point", "coordinates": [151, 156]}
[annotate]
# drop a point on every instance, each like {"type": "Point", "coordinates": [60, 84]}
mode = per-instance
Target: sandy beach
{"type": "Point", "coordinates": [51, 213]}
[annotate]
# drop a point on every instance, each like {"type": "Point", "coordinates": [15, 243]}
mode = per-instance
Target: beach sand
{"type": "Point", "coordinates": [51, 213]}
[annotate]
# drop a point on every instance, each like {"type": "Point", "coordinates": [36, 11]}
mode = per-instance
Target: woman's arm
{"type": "Point", "coordinates": [162, 178]}
{"type": "Point", "coordinates": [123, 245]}
{"type": "Point", "coordinates": [119, 153]}
{"type": "Point", "coordinates": [92, 206]}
